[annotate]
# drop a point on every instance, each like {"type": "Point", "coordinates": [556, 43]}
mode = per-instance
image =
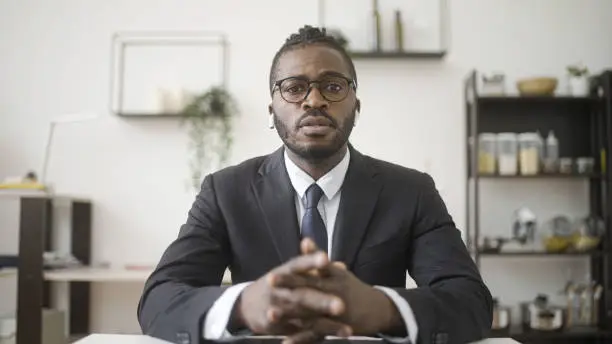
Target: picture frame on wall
{"type": "Point", "coordinates": [156, 73]}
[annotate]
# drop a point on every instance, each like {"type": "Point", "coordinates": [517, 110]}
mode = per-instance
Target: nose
{"type": "Point", "coordinates": [314, 100]}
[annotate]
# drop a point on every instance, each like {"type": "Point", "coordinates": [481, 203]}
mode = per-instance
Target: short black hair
{"type": "Point", "coordinates": [311, 35]}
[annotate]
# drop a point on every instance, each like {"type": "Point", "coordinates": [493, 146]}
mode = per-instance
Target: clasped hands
{"type": "Point", "coordinates": [310, 297]}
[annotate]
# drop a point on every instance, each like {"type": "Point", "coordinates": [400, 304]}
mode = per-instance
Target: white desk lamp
{"type": "Point", "coordinates": [73, 118]}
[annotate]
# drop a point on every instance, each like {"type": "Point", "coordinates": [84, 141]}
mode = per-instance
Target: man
{"type": "Point", "coordinates": [318, 237]}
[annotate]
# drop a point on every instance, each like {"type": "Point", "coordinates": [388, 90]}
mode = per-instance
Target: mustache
{"type": "Point", "coordinates": [315, 113]}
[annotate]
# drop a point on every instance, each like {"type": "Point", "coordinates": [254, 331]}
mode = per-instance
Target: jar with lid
{"type": "Point", "coordinates": [507, 153]}
{"type": "Point", "coordinates": [566, 165]}
{"type": "Point", "coordinates": [529, 153]}
{"type": "Point", "coordinates": [584, 165]}
{"type": "Point", "coordinates": [487, 153]}
{"type": "Point", "coordinates": [493, 84]}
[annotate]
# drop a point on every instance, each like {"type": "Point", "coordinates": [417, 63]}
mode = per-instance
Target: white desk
{"type": "Point", "coordinates": [95, 274]}
{"type": "Point", "coordinates": [138, 339]}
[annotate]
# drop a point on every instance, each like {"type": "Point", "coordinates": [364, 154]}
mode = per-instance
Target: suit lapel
{"type": "Point", "coordinates": [360, 192]}
{"type": "Point", "coordinates": [276, 199]}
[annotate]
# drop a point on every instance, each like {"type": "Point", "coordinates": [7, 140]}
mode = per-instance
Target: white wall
{"type": "Point", "coordinates": [55, 60]}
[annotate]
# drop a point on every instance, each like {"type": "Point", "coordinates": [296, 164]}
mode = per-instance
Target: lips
{"type": "Point", "coordinates": [318, 121]}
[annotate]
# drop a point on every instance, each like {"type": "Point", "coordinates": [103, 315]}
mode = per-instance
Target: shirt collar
{"type": "Point", "coordinates": [330, 183]}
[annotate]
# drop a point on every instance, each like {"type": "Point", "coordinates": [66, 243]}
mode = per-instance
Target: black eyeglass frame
{"type": "Point", "coordinates": [351, 84]}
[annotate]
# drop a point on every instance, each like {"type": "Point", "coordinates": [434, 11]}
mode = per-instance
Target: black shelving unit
{"type": "Point", "coordinates": [583, 126]}
{"type": "Point", "coordinates": [34, 292]}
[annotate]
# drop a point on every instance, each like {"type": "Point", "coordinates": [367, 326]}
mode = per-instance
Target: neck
{"type": "Point", "coordinates": [317, 169]}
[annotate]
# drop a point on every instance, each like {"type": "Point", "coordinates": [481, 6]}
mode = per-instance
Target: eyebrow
{"type": "Point", "coordinates": [323, 74]}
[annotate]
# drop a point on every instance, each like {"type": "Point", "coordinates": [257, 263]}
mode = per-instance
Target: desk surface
{"type": "Point", "coordinates": [95, 274]}
{"type": "Point", "coordinates": [138, 339]}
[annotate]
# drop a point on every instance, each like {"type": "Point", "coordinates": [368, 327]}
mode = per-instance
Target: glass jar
{"type": "Point", "coordinates": [529, 153]}
{"type": "Point", "coordinates": [585, 165]}
{"type": "Point", "coordinates": [566, 165]}
{"type": "Point", "coordinates": [507, 153]}
{"type": "Point", "coordinates": [486, 153]}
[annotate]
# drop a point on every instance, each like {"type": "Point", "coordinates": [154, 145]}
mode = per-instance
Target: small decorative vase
{"type": "Point", "coordinates": [579, 86]}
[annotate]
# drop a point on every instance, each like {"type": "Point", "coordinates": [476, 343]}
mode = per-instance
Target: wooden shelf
{"type": "Point", "coordinates": [562, 99]}
{"type": "Point", "coordinates": [542, 176]}
{"type": "Point", "coordinates": [89, 274]}
{"type": "Point", "coordinates": [523, 335]}
{"type": "Point", "coordinates": [431, 55]}
{"type": "Point", "coordinates": [538, 254]}
{"type": "Point", "coordinates": [149, 115]}
{"type": "Point", "coordinates": [20, 194]}
{"type": "Point", "coordinates": [8, 272]}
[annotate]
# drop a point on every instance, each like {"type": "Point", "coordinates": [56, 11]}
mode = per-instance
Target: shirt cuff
{"type": "Point", "coordinates": [215, 322]}
{"type": "Point", "coordinates": [407, 315]}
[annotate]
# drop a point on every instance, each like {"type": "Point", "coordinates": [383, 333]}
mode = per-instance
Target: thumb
{"type": "Point", "coordinates": [340, 265]}
{"type": "Point", "coordinates": [307, 246]}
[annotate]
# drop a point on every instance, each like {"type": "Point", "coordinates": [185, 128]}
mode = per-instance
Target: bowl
{"type": "Point", "coordinates": [584, 243]}
{"type": "Point", "coordinates": [556, 244]}
{"type": "Point", "coordinates": [540, 86]}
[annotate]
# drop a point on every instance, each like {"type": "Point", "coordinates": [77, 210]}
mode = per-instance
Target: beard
{"type": "Point", "coordinates": [319, 152]}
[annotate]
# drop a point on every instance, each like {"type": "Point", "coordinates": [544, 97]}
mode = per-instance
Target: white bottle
{"type": "Point", "coordinates": [552, 153]}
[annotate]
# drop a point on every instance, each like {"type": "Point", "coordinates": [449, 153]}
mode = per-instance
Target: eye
{"type": "Point", "coordinates": [294, 86]}
{"type": "Point", "coordinates": [334, 87]}
{"type": "Point", "coordinates": [295, 89]}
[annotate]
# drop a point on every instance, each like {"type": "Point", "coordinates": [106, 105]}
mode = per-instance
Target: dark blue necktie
{"type": "Point", "coordinates": [312, 224]}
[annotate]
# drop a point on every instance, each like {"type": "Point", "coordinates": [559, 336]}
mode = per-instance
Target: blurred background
{"type": "Point", "coordinates": [106, 127]}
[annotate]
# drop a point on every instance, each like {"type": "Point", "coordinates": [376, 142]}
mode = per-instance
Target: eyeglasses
{"type": "Point", "coordinates": [332, 88]}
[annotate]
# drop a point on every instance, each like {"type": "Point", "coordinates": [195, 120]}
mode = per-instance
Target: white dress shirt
{"type": "Point", "coordinates": [218, 316]}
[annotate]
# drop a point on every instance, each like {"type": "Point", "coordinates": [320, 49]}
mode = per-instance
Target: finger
{"type": "Point", "coordinates": [303, 264]}
{"type": "Point", "coordinates": [304, 337]}
{"type": "Point", "coordinates": [277, 325]}
{"type": "Point", "coordinates": [333, 269]}
{"type": "Point", "coordinates": [306, 302]}
{"type": "Point", "coordinates": [337, 269]}
{"type": "Point", "coordinates": [330, 327]}
{"type": "Point", "coordinates": [318, 330]}
{"type": "Point", "coordinates": [295, 281]}
{"type": "Point", "coordinates": [308, 246]}
{"type": "Point", "coordinates": [312, 281]}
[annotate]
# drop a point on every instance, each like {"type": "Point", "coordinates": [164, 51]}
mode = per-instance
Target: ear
{"type": "Point", "coordinates": [270, 117]}
{"type": "Point", "coordinates": [358, 105]}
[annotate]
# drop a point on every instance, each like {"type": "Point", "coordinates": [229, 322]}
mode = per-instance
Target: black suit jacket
{"type": "Point", "coordinates": [391, 220]}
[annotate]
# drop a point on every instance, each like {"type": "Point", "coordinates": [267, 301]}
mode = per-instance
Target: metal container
{"type": "Point", "coordinates": [501, 316]}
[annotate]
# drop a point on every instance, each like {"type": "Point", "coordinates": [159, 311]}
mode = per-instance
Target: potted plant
{"type": "Point", "coordinates": [209, 117]}
{"type": "Point", "coordinates": [578, 80]}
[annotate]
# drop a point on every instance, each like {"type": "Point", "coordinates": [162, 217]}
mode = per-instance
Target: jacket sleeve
{"type": "Point", "coordinates": [451, 302]}
{"type": "Point", "coordinates": [187, 280]}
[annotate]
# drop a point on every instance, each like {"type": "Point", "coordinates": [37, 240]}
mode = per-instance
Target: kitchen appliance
{"type": "Point", "coordinates": [540, 315]}
{"type": "Point", "coordinates": [524, 226]}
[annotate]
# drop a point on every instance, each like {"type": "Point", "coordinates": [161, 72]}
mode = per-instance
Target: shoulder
{"type": "Point", "coordinates": [244, 171]}
{"type": "Point", "coordinates": [392, 173]}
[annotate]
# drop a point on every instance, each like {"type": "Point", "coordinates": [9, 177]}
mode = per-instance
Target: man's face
{"type": "Point", "coordinates": [314, 128]}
